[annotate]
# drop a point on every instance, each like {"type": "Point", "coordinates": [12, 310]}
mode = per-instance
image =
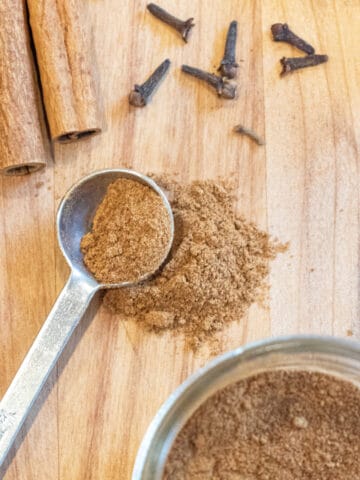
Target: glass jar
{"type": "Point", "coordinates": [334, 356]}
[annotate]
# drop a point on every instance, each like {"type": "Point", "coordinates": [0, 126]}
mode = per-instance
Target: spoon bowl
{"type": "Point", "coordinates": [77, 210]}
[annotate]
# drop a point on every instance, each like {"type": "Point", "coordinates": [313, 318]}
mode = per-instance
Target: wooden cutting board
{"type": "Point", "coordinates": [303, 186]}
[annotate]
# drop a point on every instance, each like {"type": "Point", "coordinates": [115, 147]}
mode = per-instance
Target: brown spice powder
{"type": "Point", "coordinates": [217, 266]}
{"type": "Point", "coordinates": [130, 233]}
{"type": "Point", "coordinates": [282, 425]}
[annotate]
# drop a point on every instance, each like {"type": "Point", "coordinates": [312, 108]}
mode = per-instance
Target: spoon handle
{"type": "Point", "coordinates": [42, 356]}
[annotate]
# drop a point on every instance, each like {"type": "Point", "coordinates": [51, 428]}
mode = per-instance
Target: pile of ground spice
{"type": "Point", "coordinates": [216, 269]}
{"type": "Point", "coordinates": [130, 233]}
{"type": "Point", "coordinates": [279, 425]}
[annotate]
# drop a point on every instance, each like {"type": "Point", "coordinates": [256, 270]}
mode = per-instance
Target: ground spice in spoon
{"type": "Point", "coordinates": [130, 233]}
{"type": "Point", "coordinates": [216, 269]}
{"type": "Point", "coordinates": [277, 425]}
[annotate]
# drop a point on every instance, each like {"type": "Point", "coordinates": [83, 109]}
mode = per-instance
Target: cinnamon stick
{"type": "Point", "coordinates": [62, 52]}
{"type": "Point", "coordinates": [24, 146]}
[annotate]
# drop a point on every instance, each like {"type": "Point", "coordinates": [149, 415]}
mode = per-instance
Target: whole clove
{"type": "Point", "coordinates": [224, 87]}
{"type": "Point", "coordinates": [228, 66]}
{"type": "Point", "coordinates": [291, 64]}
{"type": "Point", "coordinates": [182, 26]}
{"type": "Point", "coordinates": [249, 133]}
{"type": "Point", "coordinates": [282, 33]}
{"type": "Point", "coordinates": [141, 94]}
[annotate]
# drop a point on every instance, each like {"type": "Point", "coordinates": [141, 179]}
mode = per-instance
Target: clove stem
{"type": "Point", "coordinates": [183, 27]}
{"type": "Point", "coordinates": [291, 64]}
{"type": "Point", "coordinates": [282, 33]}
{"type": "Point", "coordinates": [224, 88]}
{"type": "Point", "coordinates": [249, 133]}
{"type": "Point", "coordinates": [141, 94]}
{"type": "Point", "coordinates": [228, 66]}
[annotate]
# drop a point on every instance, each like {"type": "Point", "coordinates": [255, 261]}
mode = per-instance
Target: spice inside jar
{"type": "Point", "coordinates": [274, 425]}
{"type": "Point", "coordinates": [130, 234]}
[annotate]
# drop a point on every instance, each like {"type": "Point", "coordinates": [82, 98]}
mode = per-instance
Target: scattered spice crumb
{"type": "Point", "coordinates": [130, 233]}
{"type": "Point", "coordinates": [296, 425]}
{"type": "Point", "coordinates": [349, 333]}
{"type": "Point", "coordinates": [217, 267]}
{"type": "Point", "coordinates": [159, 319]}
{"type": "Point", "coordinates": [300, 422]}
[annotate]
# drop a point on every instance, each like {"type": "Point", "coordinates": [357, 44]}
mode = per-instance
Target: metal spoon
{"type": "Point", "coordinates": [74, 219]}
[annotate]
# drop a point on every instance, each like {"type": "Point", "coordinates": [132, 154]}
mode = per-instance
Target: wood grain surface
{"type": "Point", "coordinates": [303, 186]}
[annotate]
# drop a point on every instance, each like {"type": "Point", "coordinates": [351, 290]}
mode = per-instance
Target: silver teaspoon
{"type": "Point", "coordinates": [74, 217]}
